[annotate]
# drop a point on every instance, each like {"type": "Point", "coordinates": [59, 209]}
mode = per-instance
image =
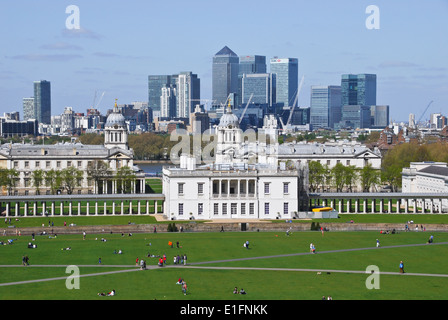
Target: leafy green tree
{"type": "Point", "coordinates": [316, 175]}
{"type": "Point", "coordinates": [369, 177]}
{"type": "Point", "coordinates": [53, 180]}
{"type": "Point", "coordinates": [99, 172]}
{"type": "Point", "coordinates": [125, 179]}
{"type": "Point", "coordinates": [71, 179]}
{"type": "Point", "coordinates": [8, 179]}
{"type": "Point", "coordinates": [37, 177]}
{"type": "Point", "coordinates": [338, 172]}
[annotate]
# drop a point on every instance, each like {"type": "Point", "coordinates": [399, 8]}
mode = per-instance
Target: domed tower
{"type": "Point", "coordinates": [115, 130]}
{"type": "Point", "coordinates": [229, 137]}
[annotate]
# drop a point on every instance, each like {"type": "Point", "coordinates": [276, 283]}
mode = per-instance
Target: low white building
{"type": "Point", "coordinates": [426, 177]}
{"type": "Point", "coordinates": [238, 185]}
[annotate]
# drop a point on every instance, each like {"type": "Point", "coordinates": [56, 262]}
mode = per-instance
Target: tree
{"type": "Point", "coordinates": [125, 179]}
{"type": "Point", "coordinates": [338, 172]}
{"type": "Point", "coordinates": [8, 179]}
{"type": "Point", "coordinates": [71, 178]}
{"type": "Point", "coordinates": [99, 171]}
{"type": "Point", "coordinates": [38, 179]}
{"type": "Point", "coordinates": [350, 177]}
{"type": "Point", "coordinates": [316, 175]}
{"type": "Point", "coordinates": [369, 177]}
{"type": "Point", "coordinates": [53, 180]}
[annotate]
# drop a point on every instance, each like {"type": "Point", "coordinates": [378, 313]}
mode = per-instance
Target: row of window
{"type": "Point", "coordinates": [180, 188]}
{"type": "Point", "coordinates": [37, 164]}
{"type": "Point", "coordinates": [234, 208]}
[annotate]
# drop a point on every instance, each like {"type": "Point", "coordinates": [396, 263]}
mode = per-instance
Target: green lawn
{"type": "Point", "coordinates": [213, 284]}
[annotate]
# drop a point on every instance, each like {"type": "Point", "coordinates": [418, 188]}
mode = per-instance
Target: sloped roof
{"type": "Point", "coordinates": [226, 52]}
{"type": "Point", "coordinates": [437, 170]}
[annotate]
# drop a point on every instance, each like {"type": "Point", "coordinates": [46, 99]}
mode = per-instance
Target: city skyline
{"type": "Point", "coordinates": [120, 44]}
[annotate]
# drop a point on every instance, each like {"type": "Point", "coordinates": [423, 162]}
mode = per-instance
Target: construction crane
{"type": "Point", "coordinates": [247, 105]}
{"type": "Point", "coordinates": [94, 99]}
{"type": "Point", "coordinates": [424, 112]}
{"type": "Point", "coordinates": [295, 102]}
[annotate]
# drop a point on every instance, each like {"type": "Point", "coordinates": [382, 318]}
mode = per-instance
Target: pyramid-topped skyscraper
{"type": "Point", "coordinates": [225, 76]}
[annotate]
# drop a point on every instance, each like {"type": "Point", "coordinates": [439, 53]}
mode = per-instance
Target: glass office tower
{"type": "Point", "coordinates": [358, 89]}
{"type": "Point", "coordinates": [42, 101]}
{"type": "Point", "coordinates": [287, 73]}
{"type": "Point", "coordinates": [225, 76]}
{"type": "Point", "coordinates": [261, 86]}
{"type": "Point", "coordinates": [28, 109]}
{"type": "Point", "coordinates": [325, 106]}
{"type": "Point", "coordinates": [251, 64]}
{"type": "Point", "coordinates": [155, 85]}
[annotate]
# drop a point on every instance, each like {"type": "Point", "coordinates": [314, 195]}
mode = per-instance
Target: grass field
{"type": "Point", "coordinates": [275, 267]}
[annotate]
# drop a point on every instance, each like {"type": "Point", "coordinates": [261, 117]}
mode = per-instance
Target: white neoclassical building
{"type": "Point", "coordinates": [244, 182]}
{"type": "Point", "coordinates": [115, 152]}
{"type": "Point", "coordinates": [426, 177]}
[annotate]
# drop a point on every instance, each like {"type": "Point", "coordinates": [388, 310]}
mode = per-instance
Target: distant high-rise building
{"type": "Point", "coordinates": [252, 64]}
{"type": "Point", "coordinates": [168, 102]}
{"type": "Point", "coordinates": [325, 106]}
{"type": "Point", "coordinates": [355, 117]}
{"type": "Point", "coordinates": [287, 73]}
{"type": "Point", "coordinates": [249, 65]}
{"type": "Point", "coordinates": [28, 109]}
{"type": "Point", "coordinates": [188, 93]}
{"type": "Point", "coordinates": [261, 86]}
{"type": "Point", "coordinates": [379, 116]}
{"type": "Point", "coordinates": [42, 101]}
{"type": "Point", "coordinates": [411, 120]}
{"type": "Point", "coordinates": [225, 76]}
{"type": "Point", "coordinates": [155, 85]}
{"type": "Point", "coordinates": [358, 89]}
{"type": "Point", "coordinates": [173, 95]}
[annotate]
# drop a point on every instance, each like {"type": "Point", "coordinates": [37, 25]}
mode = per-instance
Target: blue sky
{"type": "Point", "coordinates": [121, 42]}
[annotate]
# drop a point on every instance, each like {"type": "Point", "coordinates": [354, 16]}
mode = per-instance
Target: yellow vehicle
{"type": "Point", "coordinates": [322, 209]}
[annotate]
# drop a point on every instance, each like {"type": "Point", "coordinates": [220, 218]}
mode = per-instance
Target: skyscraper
{"type": "Point", "coordinates": [173, 95]}
{"type": "Point", "coordinates": [325, 106]}
{"type": "Point", "coordinates": [42, 101]}
{"type": "Point", "coordinates": [28, 109]}
{"type": "Point", "coordinates": [252, 64]}
{"type": "Point", "coordinates": [379, 116]}
{"type": "Point", "coordinates": [261, 86]}
{"type": "Point", "coordinates": [358, 89]}
{"type": "Point", "coordinates": [287, 73]}
{"type": "Point", "coordinates": [188, 93]}
{"type": "Point", "coordinates": [155, 85]}
{"type": "Point", "coordinates": [225, 76]}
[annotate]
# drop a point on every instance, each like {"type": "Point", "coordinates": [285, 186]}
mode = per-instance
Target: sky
{"type": "Point", "coordinates": [120, 43]}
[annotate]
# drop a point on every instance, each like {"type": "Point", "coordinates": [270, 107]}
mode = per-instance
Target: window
{"type": "Point", "coordinates": [47, 164]}
{"type": "Point", "coordinates": [37, 164]}
{"type": "Point", "coordinates": [224, 208]}
{"type": "Point", "coordinates": [180, 188]}
{"type": "Point", "coordinates": [200, 188]}
{"type": "Point", "coordinates": [181, 209]}
{"type": "Point", "coordinates": [58, 164]}
{"type": "Point", "coordinates": [285, 208]}
{"type": "Point", "coordinates": [285, 187]}
{"type": "Point", "coordinates": [27, 164]}
{"type": "Point", "coordinates": [216, 208]}
{"type": "Point", "coordinates": [233, 208]}
{"type": "Point", "coordinates": [79, 164]}
{"type": "Point", "coordinates": [243, 208]}
{"type": "Point", "coordinates": [69, 163]}
{"type": "Point", "coordinates": [16, 164]}
{"type": "Point", "coordinates": [251, 208]}
{"type": "Point", "coordinates": [200, 208]}
{"type": "Point", "coordinates": [266, 188]}
{"type": "Point", "coordinates": [266, 208]}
